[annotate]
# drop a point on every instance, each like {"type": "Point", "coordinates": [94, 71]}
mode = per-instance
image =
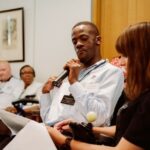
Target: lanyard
{"type": "Point", "coordinates": [93, 68]}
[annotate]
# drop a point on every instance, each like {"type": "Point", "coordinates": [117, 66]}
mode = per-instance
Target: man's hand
{"type": "Point", "coordinates": [74, 66]}
{"type": "Point", "coordinates": [57, 137]}
{"type": "Point", "coordinates": [48, 85]}
{"type": "Point", "coordinates": [11, 109]}
{"type": "Point", "coordinates": [63, 125]}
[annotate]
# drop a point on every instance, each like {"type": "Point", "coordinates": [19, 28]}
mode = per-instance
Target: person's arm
{"type": "Point", "coordinates": [60, 139]}
{"type": "Point", "coordinates": [45, 103]}
{"type": "Point", "coordinates": [99, 94]}
{"type": "Point", "coordinates": [18, 87]}
{"type": "Point", "coordinates": [45, 99]}
{"type": "Point", "coordinates": [11, 109]}
{"type": "Point", "coordinates": [108, 131]}
{"type": "Point", "coordinates": [4, 130]}
{"type": "Point", "coordinates": [74, 66]}
{"type": "Point", "coordinates": [123, 145]}
{"type": "Point", "coordinates": [39, 92]}
{"type": "Point", "coordinates": [48, 86]}
{"type": "Point", "coordinates": [63, 125]}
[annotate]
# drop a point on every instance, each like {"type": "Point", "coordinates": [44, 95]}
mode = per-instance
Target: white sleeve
{"type": "Point", "coordinates": [18, 89]}
{"type": "Point", "coordinates": [45, 103]}
{"type": "Point", "coordinates": [39, 92]}
{"type": "Point", "coordinates": [102, 96]}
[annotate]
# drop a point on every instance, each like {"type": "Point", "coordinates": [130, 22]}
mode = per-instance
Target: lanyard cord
{"type": "Point", "coordinates": [96, 66]}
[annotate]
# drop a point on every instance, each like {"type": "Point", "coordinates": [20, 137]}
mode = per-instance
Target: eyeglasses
{"type": "Point", "coordinates": [29, 72]}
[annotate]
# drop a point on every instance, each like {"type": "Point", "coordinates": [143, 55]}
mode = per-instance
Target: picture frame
{"type": "Point", "coordinates": [12, 35]}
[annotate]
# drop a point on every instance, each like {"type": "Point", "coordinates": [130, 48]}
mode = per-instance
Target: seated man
{"type": "Point", "coordinates": [93, 83]}
{"type": "Point", "coordinates": [10, 87]}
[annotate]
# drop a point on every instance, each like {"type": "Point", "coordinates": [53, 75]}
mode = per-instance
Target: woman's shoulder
{"type": "Point", "coordinates": [144, 100]}
{"type": "Point", "coordinates": [146, 95]}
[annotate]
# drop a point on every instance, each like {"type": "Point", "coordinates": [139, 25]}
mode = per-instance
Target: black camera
{"type": "Point", "coordinates": [83, 132]}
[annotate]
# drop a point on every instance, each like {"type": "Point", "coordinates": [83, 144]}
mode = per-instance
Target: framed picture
{"type": "Point", "coordinates": [12, 35]}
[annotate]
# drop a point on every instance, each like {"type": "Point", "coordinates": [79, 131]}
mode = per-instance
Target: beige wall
{"type": "Point", "coordinates": [112, 16]}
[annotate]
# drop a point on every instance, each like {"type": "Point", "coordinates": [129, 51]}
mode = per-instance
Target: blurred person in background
{"type": "Point", "coordinates": [10, 87]}
{"type": "Point", "coordinates": [32, 88]}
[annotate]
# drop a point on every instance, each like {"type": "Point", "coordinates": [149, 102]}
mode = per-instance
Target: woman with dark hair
{"type": "Point", "coordinates": [31, 94]}
{"type": "Point", "coordinates": [132, 128]}
{"type": "Point", "coordinates": [31, 87]}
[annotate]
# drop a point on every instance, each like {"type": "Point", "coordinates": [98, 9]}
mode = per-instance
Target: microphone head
{"type": "Point", "coordinates": [91, 116]}
{"type": "Point", "coordinates": [58, 81]}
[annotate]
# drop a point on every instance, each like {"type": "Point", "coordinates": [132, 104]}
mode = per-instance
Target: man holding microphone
{"type": "Point", "coordinates": [93, 83]}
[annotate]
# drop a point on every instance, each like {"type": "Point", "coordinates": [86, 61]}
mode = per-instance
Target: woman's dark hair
{"type": "Point", "coordinates": [134, 43]}
{"type": "Point", "coordinates": [25, 67]}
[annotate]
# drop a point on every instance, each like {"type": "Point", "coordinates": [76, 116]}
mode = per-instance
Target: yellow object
{"type": "Point", "coordinates": [91, 116]}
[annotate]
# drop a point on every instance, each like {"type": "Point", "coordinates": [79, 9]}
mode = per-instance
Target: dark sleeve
{"type": "Point", "coordinates": [120, 102]}
{"type": "Point", "coordinates": [138, 131]}
{"type": "Point", "coordinates": [4, 130]}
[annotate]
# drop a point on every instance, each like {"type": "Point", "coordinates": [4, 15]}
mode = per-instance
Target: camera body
{"type": "Point", "coordinates": [83, 132]}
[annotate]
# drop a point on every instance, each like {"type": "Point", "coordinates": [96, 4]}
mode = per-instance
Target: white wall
{"type": "Point", "coordinates": [48, 26]}
{"type": "Point", "coordinates": [29, 7]}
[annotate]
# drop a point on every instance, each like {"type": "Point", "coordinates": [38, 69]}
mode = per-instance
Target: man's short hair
{"type": "Point", "coordinates": [96, 31]}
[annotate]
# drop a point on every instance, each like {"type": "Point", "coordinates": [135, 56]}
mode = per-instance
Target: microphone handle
{"type": "Point", "coordinates": [57, 82]}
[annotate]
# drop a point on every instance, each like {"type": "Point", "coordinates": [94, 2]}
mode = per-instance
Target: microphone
{"type": "Point", "coordinates": [57, 82]}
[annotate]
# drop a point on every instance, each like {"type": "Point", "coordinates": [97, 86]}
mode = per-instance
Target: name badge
{"type": "Point", "coordinates": [68, 99]}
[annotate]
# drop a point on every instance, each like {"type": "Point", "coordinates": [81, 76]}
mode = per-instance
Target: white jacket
{"type": "Point", "coordinates": [35, 88]}
{"type": "Point", "coordinates": [97, 91]}
{"type": "Point", "coordinates": [10, 91]}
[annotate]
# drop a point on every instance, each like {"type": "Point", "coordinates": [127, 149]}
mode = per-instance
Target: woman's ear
{"type": "Point", "coordinates": [98, 40]}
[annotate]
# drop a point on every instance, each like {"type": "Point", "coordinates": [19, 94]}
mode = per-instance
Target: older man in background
{"type": "Point", "coordinates": [10, 87]}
